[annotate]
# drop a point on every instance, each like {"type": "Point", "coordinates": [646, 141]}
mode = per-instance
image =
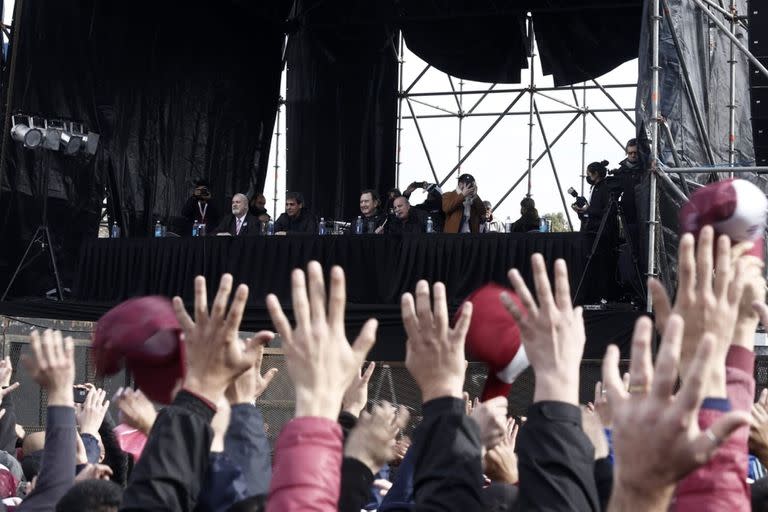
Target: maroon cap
{"type": "Point", "coordinates": [8, 483]}
{"type": "Point", "coordinates": [494, 338]}
{"type": "Point", "coordinates": [733, 207]}
{"type": "Point", "coordinates": [144, 335]}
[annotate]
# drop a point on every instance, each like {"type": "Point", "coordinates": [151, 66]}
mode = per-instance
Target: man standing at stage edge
{"type": "Point", "coordinates": [295, 219]}
{"type": "Point", "coordinates": [463, 208]}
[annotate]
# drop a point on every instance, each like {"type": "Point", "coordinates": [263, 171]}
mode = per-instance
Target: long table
{"type": "Point", "coordinates": [378, 268]}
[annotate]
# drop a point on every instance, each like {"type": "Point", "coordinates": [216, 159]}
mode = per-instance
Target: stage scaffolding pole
{"type": "Point", "coordinates": [583, 136]}
{"type": "Point", "coordinates": [652, 218]}
{"type": "Point", "coordinates": [735, 40]}
{"type": "Point", "coordinates": [552, 164]}
{"type": "Point", "coordinates": [460, 103]}
{"type": "Point", "coordinates": [400, 94]}
{"type": "Point", "coordinates": [531, 89]}
{"type": "Point", "coordinates": [732, 98]}
{"type": "Point", "coordinates": [280, 103]}
{"type": "Point", "coordinates": [421, 138]}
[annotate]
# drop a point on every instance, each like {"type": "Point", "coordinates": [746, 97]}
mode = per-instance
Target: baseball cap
{"type": "Point", "coordinates": [733, 207]}
{"type": "Point", "coordinates": [466, 178]}
{"type": "Point", "coordinates": [143, 335]}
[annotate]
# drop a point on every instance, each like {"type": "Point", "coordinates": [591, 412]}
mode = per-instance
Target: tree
{"type": "Point", "coordinates": [557, 222]}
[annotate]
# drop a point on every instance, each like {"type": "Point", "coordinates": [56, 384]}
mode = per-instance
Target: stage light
{"type": "Point", "coordinates": [53, 131]}
{"type": "Point", "coordinates": [91, 142]}
{"type": "Point", "coordinates": [72, 138]}
{"type": "Point", "coordinates": [28, 134]}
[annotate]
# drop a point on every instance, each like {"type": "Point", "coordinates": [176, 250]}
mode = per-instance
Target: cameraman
{"type": "Point", "coordinates": [592, 213]}
{"type": "Point", "coordinates": [199, 208]}
{"type": "Point", "coordinates": [432, 205]}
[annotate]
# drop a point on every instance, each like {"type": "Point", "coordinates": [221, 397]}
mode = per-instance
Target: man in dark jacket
{"type": "Point", "coordinates": [296, 218]}
{"type": "Point", "coordinates": [199, 208]}
{"type": "Point", "coordinates": [240, 222]}
{"type": "Point", "coordinates": [369, 213]}
{"type": "Point", "coordinates": [405, 219]}
{"type": "Point", "coordinates": [630, 172]}
{"type": "Point", "coordinates": [432, 205]}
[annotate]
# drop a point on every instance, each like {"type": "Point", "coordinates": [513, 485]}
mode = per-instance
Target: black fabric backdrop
{"type": "Point", "coordinates": [177, 90]}
{"type": "Point", "coordinates": [341, 104]}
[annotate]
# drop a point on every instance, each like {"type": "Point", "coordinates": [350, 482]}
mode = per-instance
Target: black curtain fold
{"type": "Point", "coordinates": [341, 104]}
{"type": "Point", "coordinates": [177, 90]}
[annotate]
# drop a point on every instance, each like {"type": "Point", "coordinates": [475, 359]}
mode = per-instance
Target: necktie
{"type": "Point", "coordinates": [239, 224]}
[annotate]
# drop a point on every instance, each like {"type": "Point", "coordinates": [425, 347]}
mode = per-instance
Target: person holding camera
{"type": "Point", "coordinates": [463, 208]}
{"type": "Point", "coordinates": [591, 214]}
{"type": "Point", "coordinates": [432, 205]}
{"type": "Point", "coordinates": [199, 208]}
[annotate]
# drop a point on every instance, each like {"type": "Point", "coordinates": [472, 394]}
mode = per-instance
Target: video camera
{"type": "Point", "coordinates": [581, 201]}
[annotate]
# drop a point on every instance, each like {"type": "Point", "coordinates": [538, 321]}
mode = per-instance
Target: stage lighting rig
{"type": "Point", "coordinates": [25, 131]}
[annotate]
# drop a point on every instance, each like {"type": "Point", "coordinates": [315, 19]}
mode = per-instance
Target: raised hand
{"type": "Point", "coordinates": [601, 405]}
{"type": "Point", "coordinates": [94, 472]}
{"type": "Point", "coordinates": [251, 384]}
{"type": "Point", "coordinates": [491, 417]}
{"type": "Point", "coordinates": [320, 360]}
{"type": "Point", "coordinates": [552, 331]}
{"type": "Point", "coordinates": [501, 461]}
{"type": "Point", "coordinates": [708, 297]}
{"type": "Point", "coordinates": [52, 366]}
{"type": "Point", "coordinates": [135, 409]}
{"type": "Point", "coordinates": [372, 441]}
{"type": "Point", "coordinates": [91, 413]}
{"type": "Point", "coordinates": [656, 435]}
{"type": "Point", "coordinates": [356, 397]}
{"type": "Point", "coordinates": [434, 352]}
{"type": "Point", "coordinates": [215, 353]}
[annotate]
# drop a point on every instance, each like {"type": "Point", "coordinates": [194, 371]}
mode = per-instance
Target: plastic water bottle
{"type": "Point", "coordinates": [158, 230]}
{"type": "Point", "coordinates": [543, 226]}
{"type": "Point", "coordinates": [270, 227]}
{"type": "Point", "coordinates": [195, 228]}
{"type": "Point", "coordinates": [508, 225]}
{"type": "Point", "coordinates": [115, 233]}
{"type": "Point", "coordinates": [430, 225]}
{"type": "Point", "coordinates": [321, 226]}
{"type": "Point", "coordinates": [201, 229]}
{"type": "Point", "coordinates": [359, 225]}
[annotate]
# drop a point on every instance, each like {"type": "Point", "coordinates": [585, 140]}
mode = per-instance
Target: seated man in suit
{"type": "Point", "coordinates": [240, 222]}
{"type": "Point", "coordinates": [405, 219]}
{"type": "Point", "coordinates": [296, 218]}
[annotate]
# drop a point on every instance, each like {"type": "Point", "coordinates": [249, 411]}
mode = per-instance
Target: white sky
{"type": "Point", "coordinates": [503, 156]}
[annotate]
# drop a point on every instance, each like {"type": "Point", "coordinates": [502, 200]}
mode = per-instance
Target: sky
{"type": "Point", "coordinates": [503, 156]}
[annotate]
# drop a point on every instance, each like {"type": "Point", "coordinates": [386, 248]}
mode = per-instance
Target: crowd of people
{"type": "Point", "coordinates": [644, 443]}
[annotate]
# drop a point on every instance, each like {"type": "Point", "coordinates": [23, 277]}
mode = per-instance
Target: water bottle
{"type": "Point", "coordinates": [271, 227]}
{"type": "Point", "coordinates": [371, 226]}
{"type": "Point", "coordinates": [321, 226]}
{"type": "Point", "coordinates": [158, 230]}
{"type": "Point", "coordinates": [201, 229]}
{"type": "Point", "coordinates": [543, 226]}
{"type": "Point", "coordinates": [430, 225]}
{"type": "Point", "coordinates": [195, 228]}
{"type": "Point", "coordinates": [115, 233]}
{"type": "Point", "coordinates": [359, 225]}
{"type": "Point", "coordinates": [508, 225]}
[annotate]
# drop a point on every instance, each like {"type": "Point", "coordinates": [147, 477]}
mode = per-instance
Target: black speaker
{"type": "Point", "coordinates": [758, 45]}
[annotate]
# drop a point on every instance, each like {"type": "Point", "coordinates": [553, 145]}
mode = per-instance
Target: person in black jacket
{"type": "Point", "coordinates": [199, 208]}
{"type": "Point", "coordinates": [529, 217]}
{"type": "Point", "coordinates": [240, 222]}
{"type": "Point", "coordinates": [592, 214]}
{"type": "Point", "coordinates": [405, 219]}
{"type": "Point", "coordinates": [370, 213]}
{"type": "Point", "coordinates": [432, 205]}
{"type": "Point", "coordinates": [296, 218]}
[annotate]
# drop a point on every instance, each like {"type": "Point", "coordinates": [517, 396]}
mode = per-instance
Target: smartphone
{"type": "Point", "coordinates": [80, 394]}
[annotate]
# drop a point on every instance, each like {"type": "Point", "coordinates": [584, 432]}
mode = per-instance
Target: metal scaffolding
{"type": "Point", "coordinates": [407, 97]}
{"type": "Point", "coordinates": [658, 170]}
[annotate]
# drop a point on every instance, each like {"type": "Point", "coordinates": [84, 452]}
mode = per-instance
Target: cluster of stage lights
{"type": "Point", "coordinates": [55, 135]}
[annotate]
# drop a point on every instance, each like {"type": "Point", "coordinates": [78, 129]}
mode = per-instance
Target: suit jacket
{"type": "Point", "coordinates": [453, 207]}
{"type": "Point", "coordinates": [250, 225]}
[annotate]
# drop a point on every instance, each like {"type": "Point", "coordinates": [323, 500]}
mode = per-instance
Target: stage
{"type": "Point", "coordinates": [379, 270]}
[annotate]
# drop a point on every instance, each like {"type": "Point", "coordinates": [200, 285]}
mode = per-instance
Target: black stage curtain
{"type": "Point", "coordinates": [485, 40]}
{"type": "Point", "coordinates": [341, 104]}
{"type": "Point", "coordinates": [177, 90]}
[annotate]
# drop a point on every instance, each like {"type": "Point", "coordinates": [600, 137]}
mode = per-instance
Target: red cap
{"type": "Point", "coordinates": [144, 335]}
{"type": "Point", "coordinates": [733, 207]}
{"type": "Point", "coordinates": [8, 483]}
{"type": "Point", "coordinates": [494, 338]}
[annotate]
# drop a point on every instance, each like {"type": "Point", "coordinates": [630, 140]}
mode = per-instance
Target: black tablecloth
{"type": "Point", "coordinates": [378, 268]}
